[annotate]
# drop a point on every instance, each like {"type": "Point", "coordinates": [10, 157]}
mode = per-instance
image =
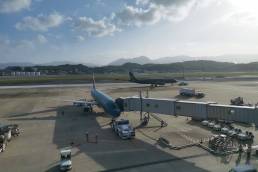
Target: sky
{"type": "Point", "coordinates": [100, 31]}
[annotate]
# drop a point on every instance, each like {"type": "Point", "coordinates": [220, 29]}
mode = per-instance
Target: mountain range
{"type": "Point", "coordinates": [244, 58]}
{"type": "Point", "coordinates": [237, 58]}
{"type": "Point", "coordinates": [4, 65]}
{"type": "Point", "coordinates": [178, 67]}
{"type": "Point", "coordinates": [54, 63]}
{"type": "Point", "coordinates": [146, 60]}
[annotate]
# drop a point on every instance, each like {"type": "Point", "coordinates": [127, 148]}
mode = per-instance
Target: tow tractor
{"type": "Point", "coordinates": [15, 131]}
{"type": "Point", "coordinates": [65, 159]}
{"type": "Point", "coordinates": [123, 128]}
{"type": "Point", "coordinates": [239, 101]}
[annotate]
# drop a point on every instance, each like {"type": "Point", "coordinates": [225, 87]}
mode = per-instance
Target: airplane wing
{"type": "Point", "coordinates": [91, 102]}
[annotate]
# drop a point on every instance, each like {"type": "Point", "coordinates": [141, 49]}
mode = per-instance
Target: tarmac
{"type": "Point", "coordinates": [48, 123]}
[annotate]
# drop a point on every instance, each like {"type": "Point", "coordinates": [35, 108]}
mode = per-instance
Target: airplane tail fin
{"type": "Point", "coordinates": [93, 81]}
{"type": "Point", "coordinates": [132, 77]}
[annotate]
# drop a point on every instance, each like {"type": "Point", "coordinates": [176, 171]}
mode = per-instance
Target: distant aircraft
{"type": "Point", "coordinates": [153, 82]}
{"type": "Point", "coordinates": [102, 100]}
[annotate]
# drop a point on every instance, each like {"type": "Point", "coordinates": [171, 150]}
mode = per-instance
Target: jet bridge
{"type": "Point", "coordinates": [196, 110]}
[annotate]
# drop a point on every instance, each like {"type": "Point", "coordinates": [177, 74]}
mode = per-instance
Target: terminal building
{"type": "Point", "coordinates": [25, 73]}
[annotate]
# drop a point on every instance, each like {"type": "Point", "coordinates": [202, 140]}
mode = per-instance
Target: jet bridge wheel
{"type": "Point", "coordinates": [146, 119]}
{"type": "Point", "coordinates": [88, 109]}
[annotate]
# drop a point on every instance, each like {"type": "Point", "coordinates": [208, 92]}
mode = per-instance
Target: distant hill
{"type": "Point", "coordinates": [57, 63]}
{"type": "Point", "coordinates": [174, 59]}
{"type": "Point", "coordinates": [54, 63]}
{"type": "Point", "coordinates": [138, 60]}
{"type": "Point", "coordinates": [4, 65]}
{"type": "Point", "coordinates": [244, 58]}
{"type": "Point", "coordinates": [146, 60]}
{"type": "Point", "coordinates": [178, 67]}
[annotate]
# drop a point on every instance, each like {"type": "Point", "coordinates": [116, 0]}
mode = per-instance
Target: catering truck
{"type": "Point", "coordinates": [123, 129]}
{"type": "Point", "coordinates": [190, 92]}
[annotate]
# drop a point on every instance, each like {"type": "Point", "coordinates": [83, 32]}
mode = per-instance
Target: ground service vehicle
{"type": "Point", "coordinates": [239, 101]}
{"type": "Point", "coordinates": [217, 127]}
{"type": "Point", "coordinates": [190, 92]}
{"type": "Point", "coordinates": [211, 124]}
{"type": "Point", "coordinates": [183, 84]}
{"type": "Point", "coordinates": [187, 92]}
{"type": "Point", "coordinates": [15, 131]}
{"type": "Point", "coordinates": [123, 129]}
{"type": "Point", "coordinates": [65, 160]}
{"type": "Point", "coordinates": [244, 168]}
{"type": "Point", "coordinates": [3, 143]}
{"type": "Point", "coordinates": [205, 123]}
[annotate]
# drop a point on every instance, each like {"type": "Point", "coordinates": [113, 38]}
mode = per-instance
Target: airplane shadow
{"type": "Point", "coordinates": [110, 152]}
{"type": "Point", "coordinates": [53, 169]}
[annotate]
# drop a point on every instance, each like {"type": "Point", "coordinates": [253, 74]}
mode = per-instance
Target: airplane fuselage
{"type": "Point", "coordinates": [106, 102]}
{"type": "Point", "coordinates": [154, 82]}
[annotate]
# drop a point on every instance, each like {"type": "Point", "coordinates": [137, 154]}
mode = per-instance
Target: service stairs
{"type": "Point", "coordinates": [162, 122]}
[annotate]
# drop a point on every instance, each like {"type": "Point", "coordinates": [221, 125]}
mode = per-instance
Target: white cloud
{"type": "Point", "coordinates": [80, 38]}
{"type": "Point", "coordinates": [152, 11]}
{"type": "Point", "coordinates": [241, 13]}
{"type": "Point", "coordinates": [164, 2]}
{"type": "Point", "coordinates": [8, 6]}
{"type": "Point", "coordinates": [41, 39]}
{"type": "Point", "coordinates": [142, 2]}
{"type": "Point", "coordinates": [41, 22]}
{"type": "Point", "coordinates": [138, 16]}
{"type": "Point", "coordinates": [96, 28]}
{"type": "Point", "coordinates": [176, 12]}
{"type": "Point", "coordinates": [241, 18]}
{"type": "Point", "coordinates": [22, 44]}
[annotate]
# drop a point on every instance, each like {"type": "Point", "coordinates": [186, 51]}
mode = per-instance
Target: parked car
{"type": "Point", "coordinates": [205, 123]}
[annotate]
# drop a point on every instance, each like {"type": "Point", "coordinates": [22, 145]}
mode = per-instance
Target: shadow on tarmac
{"type": "Point", "coordinates": [53, 169]}
{"type": "Point", "coordinates": [51, 109]}
{"type": "Point", "coordinates": [110, 152]}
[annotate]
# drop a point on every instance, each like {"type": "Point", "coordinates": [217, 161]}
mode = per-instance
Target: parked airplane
{"type": "Point", "coordinates": [153, 82]}
{"type": "Point", "coordinates": [105, 101]}
{"type": "Point", "coordinates": [100, 99]}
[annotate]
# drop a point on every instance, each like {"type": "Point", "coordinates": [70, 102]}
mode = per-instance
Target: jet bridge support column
{"type": "Point", "coordinates": [140, 105]}
{"type": "Point", "coordinates": [144, 118]}
{"type": "Point", "coordinates": [145, 115]}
